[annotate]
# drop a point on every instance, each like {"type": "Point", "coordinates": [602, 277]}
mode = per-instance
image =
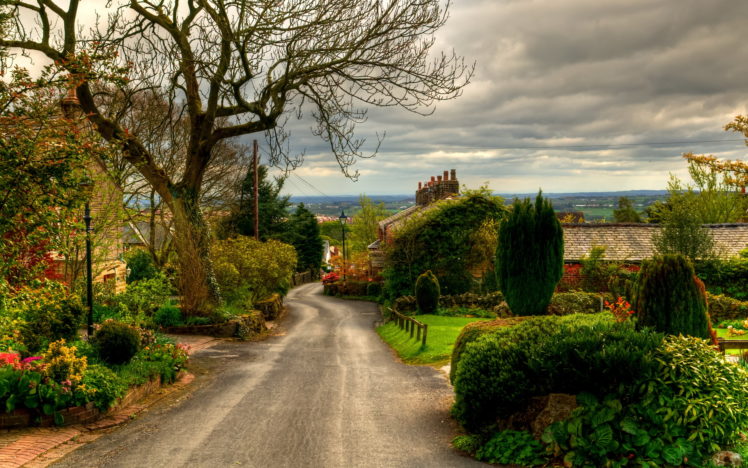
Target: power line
{"type": "Point", "coordinates": [602, 145]}
{"type": "Point", "coordinates": [312, 186]}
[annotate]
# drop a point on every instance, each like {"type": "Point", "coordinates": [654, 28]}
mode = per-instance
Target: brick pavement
{"type": "Point", "coordinates": [37, 447]}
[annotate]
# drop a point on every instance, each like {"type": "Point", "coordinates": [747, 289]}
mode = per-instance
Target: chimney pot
{"type": "Point", "coordinates": [439, 179]}
{"type": "Point", "coordinates": [446, 176]}
{"type": "Point", "coordinates": [453, 174]}
{"type": "Point", "coordinates": [419, 185]}
{"type": "Point", "coordinates": [433, 179]}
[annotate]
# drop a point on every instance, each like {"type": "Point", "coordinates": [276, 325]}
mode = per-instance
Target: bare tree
{"type": "Point", "coordinates": [236, 67]}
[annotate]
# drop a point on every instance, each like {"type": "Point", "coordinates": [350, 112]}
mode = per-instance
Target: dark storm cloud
{"type": "Point", "coordinates": [558, 73]}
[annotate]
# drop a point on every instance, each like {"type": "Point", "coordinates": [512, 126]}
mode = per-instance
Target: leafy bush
{"type": "Point", "coordinates": [116, 342]}
{"type": "Point", "coordinates": [469, 443]}
{"type": "Point", "coordinates": [669, 297]}
{"type": "Point", "coordinates": [427, 293]}
{"type": "Point", "coordinates": [105, 386]}
{"type": "Point", "coordinates": [688, 405]}
{"type": "Point", "coordinates": [512, 447]}
{"type": "Point", "coordinates": [499, 371]}
{"type": "Point", "coordinates": [596, 271]}
{"type": "Point", "coordinates": [141, 266]}
{"type": "Point", "coordinates": [449, 238]}
{"type": "Point", "coordinates": [530, 257]}
{"type": "Point", "coordinates": [574, 302]}
{"type": "Point", "coordinates": [725, 277]}
{"type": "Point", "coordinates": [723, 308]}
{"type": "Point", "coordinates": [374, 289]}
{"type": "Point", "coordinates": [45, 312]}
{"type": "Point", "coordinates": [63, 365]}
{"type": "Point", "coordinates": [244, 265]}
{"type": "Point", "coordinates": [168, 316]}
{"type": "Point", "coordinates": [142, 298]}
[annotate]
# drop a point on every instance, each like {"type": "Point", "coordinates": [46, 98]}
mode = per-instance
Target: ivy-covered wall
{"type": "Point", "coordinates": [452, 239]}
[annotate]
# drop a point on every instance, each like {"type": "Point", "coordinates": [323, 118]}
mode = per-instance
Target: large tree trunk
{"type": "Point", "coordinates": [200, 292]}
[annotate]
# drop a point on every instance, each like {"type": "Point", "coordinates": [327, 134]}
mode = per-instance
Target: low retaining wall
{"type": "Point", "coordinates": [245, 326]}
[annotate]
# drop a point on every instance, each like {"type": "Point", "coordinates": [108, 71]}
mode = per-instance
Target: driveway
{"type": "Point", "coordinates": [327, 393]}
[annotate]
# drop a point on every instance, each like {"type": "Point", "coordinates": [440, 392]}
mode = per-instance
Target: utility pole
{"type": "Point", "coordinates": [256, 191]}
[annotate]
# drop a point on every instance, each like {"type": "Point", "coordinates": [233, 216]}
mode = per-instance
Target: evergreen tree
{"type": "Point", "coordinates": [626, 212]}
{"type": "Point", "coordinates": [530, 256]}
{"type": "Point", "coordinates": [273, 207]}
{"type": "Point", "coordinates": [303, 234]}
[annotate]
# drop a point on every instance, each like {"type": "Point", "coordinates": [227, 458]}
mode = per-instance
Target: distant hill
{"type": "Point", "coordinates": [622, 193]}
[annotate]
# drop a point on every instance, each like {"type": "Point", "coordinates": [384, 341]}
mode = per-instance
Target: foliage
{"type": "Point", "coordinates": [106, 386]}
{"type": "Point", "coordinates": [626, 213]}
{"type": "Point", "coordinates": [272, 206]}
{"type": "Point", "coordinates": [303, 234]}
{"type": "Point", "coordinates": [427, 293]}
{"type": "Point", "coordinates": [670, 298]}
{"type": "Point", "coordinates": [141, 299]}
{"type": "Point", "coordinates": [246, 266]}
{"type": "Point", "coordinates": [728, 277]}
{"type": "Point", "coordinates": [723, 308]}
{"type": "Point", "coordinates": [168, 316]}
{"type": "Point", "coordinates": [141, 265]}
{"type": "Point", "coordinates": [332, 231]}
{"type": "Point", "coordinates": [682, 231]}
{"type": "Point", "coordinates": [501, 370]}
{"type": "Point", "coordinates": [530, 256]}
{"type": "Point", "coordinates": [574, 302]}
{"type": "Point", "coordinates": [365, 224]}
{"type": "Point", "coordinates": [169, 357]}
{"type": "Point", "coordinates": [116, 342]}
{"type": "Point", "coordinates": [374, 289]}
{"type": "Point", "coordinates": [62, 363]}
{"type": "Point", "coordinates": [688, 405]}
{"type": "Point", "coordinates": [438, 239]}
{"type": "Point", "coordinates": [512, 447]}
{"type": "Point", "coordinates": [596, 272]}
{"type": "Point", "coordinates": [44, 312]}
{"type": "Point", "coordinates": [468, 443]}
{"type": "Point", "coordinates": [621, 309]}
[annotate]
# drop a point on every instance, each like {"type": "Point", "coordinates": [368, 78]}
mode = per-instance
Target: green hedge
{"type": "Point", "coordinates": [728, 277]}
{"type": "Point", "coordinates": [575, 302]}
{"type": "Point", "coordinates": [500, 371]}
{"type": "Point", "coordinates": [725, 308]}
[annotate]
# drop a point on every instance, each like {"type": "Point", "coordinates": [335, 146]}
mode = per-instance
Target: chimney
{"type": "Point", "coordinates": [70, 104]}
{"type": "Point", "coordinates": [446, 176]}
{"type": "Point", "coordinates": [439, 179]}
{"type": "Point", "coordinates": [433, 179]}
{"type": "Point", "coordinates": [453, 175]}
{"type": "Point", "coordinates": [419, 185]}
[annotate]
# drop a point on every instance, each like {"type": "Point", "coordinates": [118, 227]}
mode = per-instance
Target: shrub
{"type": "Point", "coordinates": [512, 447]}
{"type": "Point", "coordinates": [427, 293]}
{"type": "Point", "coordinates": [142, 298]}
{"type": "Point", "coordinates": [62, 363]}
{"type": "Point", "coordinates": [45, 313]}
{"type": "Point", "coordinates": [141, 266]}
{"type": "Point", "coordinates": [374, 289]}
{"type": "Point", "coordinates": [574, 302]}
{"type": "Point", "coordinates": [116, 342]}
{"type": "Point", "coordinates": [530, 256]}
{"type": "Point", "coordinates": [104, 385]}
{"type": "Point", "coordinates": [467, 443]}
{"type": "Point", "coordinates": [501, 370]}
{"type": "Point", "coordinates": [688, 405]}
{"type": "Point", "coordinates": [168, 316]}
{"type": "Point", "coordinates": [669, 298]}
{"type": "Point", "coordinates": [725, 277]}
{"type": "Point", "coordinates": [243, 265]}
{"type": "Point", "coordinates": [723, 308]}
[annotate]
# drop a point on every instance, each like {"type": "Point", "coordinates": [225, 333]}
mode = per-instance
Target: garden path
{"type": "Point", "coordinates": [327, 393]}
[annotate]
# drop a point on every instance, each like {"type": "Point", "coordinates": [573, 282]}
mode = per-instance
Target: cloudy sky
{"type": "Point", "coordinates": [568, 96]}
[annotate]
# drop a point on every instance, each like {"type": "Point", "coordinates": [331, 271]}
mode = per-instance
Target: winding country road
{"type": "Point", "coordinates": [328, 393]}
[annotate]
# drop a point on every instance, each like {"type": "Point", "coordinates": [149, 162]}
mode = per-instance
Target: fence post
{"type": "Point", "coordinates": [418, 333]}
{"type": "Point", "coordinates": [411, 328]}
{"type": "Point", "coordinates": [425, 330]}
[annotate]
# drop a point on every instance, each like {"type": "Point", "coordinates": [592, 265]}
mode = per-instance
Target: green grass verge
{"type": "Point", "coordinates": [443, 332]}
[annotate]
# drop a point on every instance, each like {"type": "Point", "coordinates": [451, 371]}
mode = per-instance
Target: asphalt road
{"type": "Point", "coordinates": [328, 393]}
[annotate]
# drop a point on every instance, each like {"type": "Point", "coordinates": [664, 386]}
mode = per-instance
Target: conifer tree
{"type": "Point", "coordinates": [303, 234]}
{"type": "Point", "coordinates": [530, 256]}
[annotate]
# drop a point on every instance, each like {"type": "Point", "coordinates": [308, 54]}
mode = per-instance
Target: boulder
{"type": "Point", "coordinates": [725, 458]}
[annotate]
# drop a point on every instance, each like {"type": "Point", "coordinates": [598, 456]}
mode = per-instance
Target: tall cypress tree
{"type": "Point", "coordinates": [530, 256]}
{"type": "Point", "coordinates": [273, 207]}
{"type": "Point", "coordinates": [303, 234]}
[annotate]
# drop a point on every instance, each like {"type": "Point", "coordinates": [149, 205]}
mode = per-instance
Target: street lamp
{"type": "Point", "coordinates": [87, 185]}
{"type": "Point", "coordinates": [343, 218]}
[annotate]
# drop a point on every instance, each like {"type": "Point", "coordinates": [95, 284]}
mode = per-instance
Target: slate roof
{"type": "Point", "coordinates": [632, 242]}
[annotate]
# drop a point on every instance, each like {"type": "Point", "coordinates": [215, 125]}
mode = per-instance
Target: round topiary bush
{"type": "Point", "coordinates": [427, 293]}
{"type": "Point", "coordinates": [116, 342]}
{"type": "Point", "coordinates": [669, 297]}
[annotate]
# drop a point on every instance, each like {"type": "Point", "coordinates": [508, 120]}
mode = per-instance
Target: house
{"type": "Point", "coordinates": [632, 242]}
{"type": "Point", "coordinates": [443, 187]}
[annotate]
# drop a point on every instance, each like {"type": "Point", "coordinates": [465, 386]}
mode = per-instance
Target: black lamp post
{"type": "Point", "coordinates": [87, 185]}
{"type": "Point", "coordinates": [343, 218]}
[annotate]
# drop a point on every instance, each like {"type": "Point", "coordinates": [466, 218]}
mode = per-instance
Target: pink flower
{"type": "Point", "coordinates": [30, 359]}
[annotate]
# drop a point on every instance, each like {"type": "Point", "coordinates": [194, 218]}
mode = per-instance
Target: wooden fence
{"type": "Point", "coordinates": [731, 344]}
{"type": "Point", "coordinates": [409, 324]}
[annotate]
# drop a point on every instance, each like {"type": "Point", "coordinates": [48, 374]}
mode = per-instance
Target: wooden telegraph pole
{"type": "Point", "coordinates": [256, 191]}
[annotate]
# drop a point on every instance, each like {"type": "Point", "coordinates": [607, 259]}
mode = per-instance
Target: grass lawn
{"type": "Point", "coordinates": [441, 338]}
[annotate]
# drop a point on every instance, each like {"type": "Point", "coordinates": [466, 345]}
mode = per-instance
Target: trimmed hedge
{"type": "Point", "coordinates": [725, 308]}
{"type": "Point", "coordinates": [500, 371]}
{"type": "Point", "coordinates": [427, 293]}
{"type": "Point", "coordinates": [575, 302]}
